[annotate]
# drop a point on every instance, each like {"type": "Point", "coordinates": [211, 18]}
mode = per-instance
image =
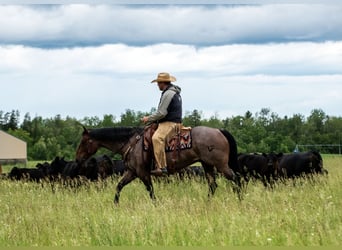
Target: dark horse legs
{"type": "Point", "coordinates": [146, 179]}
{"type": "Point", "coordinates": [229, 174]}
{"type": "Point", "coordinates": [130, 176]}
{"type": "Point", "coordinates": [127, 178]}
{"type": "Point", "coordinates": [210, 175]}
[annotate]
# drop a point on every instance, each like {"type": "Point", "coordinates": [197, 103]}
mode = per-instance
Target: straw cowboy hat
{"type": "Point", "coordinates": [164, 77]}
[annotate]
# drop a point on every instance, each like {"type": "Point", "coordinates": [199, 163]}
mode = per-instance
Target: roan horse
{"type": "Point", "coordinates": [214, 148]}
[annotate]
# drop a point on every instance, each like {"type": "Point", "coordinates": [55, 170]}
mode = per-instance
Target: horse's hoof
{"type": "Point", "coordinates": [116, 201]}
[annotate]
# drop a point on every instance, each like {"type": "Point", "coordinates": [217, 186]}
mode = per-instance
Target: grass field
{"type": "Point", "coordinates": [293, 214]}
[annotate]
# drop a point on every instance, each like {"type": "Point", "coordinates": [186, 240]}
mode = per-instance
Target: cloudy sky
{"type": "Point", "coordinates": [93, 59]}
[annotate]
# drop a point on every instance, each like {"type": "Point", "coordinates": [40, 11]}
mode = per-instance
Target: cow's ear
{"type": "Point", "coordinates": [280, 155]}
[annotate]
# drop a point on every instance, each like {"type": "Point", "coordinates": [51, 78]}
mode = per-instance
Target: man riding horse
{"type": "Point", "coordinates": [216, 149]}
{"type": "Point", "coordinates": [168, 116]}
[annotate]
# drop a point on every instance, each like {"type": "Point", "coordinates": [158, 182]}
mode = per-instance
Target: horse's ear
{"type": "Point", "coordinates": [85, 131]}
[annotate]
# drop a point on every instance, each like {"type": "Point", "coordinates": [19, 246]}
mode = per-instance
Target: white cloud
{"type": "Point", "coordinates": [288, 78]}
{"type": "Point", "coordinates": [244, 61]}
{"type": "Point", "coordinates": [270, 59]}
{"type": "Point", "coordinates": [200, 25]}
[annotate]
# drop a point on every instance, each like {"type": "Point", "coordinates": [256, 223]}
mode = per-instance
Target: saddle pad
{"type": "Point", "coordinates": [185, 141]}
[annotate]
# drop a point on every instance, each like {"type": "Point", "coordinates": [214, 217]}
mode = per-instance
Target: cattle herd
{"type": "Point", "coordinates": [94, 168]}
{"type": "Point", "coordinates": [272, 167]}
{"type": "Point", "coordinates": [252, 166]}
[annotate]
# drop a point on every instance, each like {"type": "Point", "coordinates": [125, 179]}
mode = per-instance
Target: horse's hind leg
{"type": "Point", "coordinates": [229, 174]}
{"type": "Point", "coordinates": [146, 179]}
{"type": "Point", "coordinates": [210, 175]}
{"type": "Point", "coordinates": [127, 178]}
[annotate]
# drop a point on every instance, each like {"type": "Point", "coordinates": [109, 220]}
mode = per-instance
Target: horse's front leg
{"type": "Point", "coordinates": [129, 176]}
{"type": "Point", "coordinates": [145, 177]}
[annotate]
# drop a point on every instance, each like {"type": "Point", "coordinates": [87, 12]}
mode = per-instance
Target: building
{"type": "Point", "coordinates": [12, 149]}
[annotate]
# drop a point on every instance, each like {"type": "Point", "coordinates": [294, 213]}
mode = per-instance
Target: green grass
{"type": "Point", "coordinates": [305, 213]}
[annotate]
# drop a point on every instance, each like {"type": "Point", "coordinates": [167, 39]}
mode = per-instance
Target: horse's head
{"type": "Point", "coordinates": [87, 147]}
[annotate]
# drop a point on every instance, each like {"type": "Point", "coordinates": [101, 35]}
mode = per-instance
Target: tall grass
{"type": "Point", "coordinates": [294, 213]}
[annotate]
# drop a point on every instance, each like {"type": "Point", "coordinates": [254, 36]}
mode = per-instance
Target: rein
{"type": "Point", "coordinates": [130, 147]}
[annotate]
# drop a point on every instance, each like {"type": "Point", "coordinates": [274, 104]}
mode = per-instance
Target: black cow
{"type": "Point", "coordinates": [97, 167]}
{"type": "Point", "coordinates": [31, 174]}
{"type": "Point", "coordinates": [192, 172]}
{"type": "Point", "coordinates": [259, 166]}
{"type": "Point", "coordinates": [89, 169]}
{"type": "Point", "coordinates": [301, 164]}
{"type": "Point", "coordinates": [44, 167]}
{"type": "Point", "coordinates": [71, 170]}
{"type": "Point", "coordinates": [57, 167]}
{"type": "Point", "coordinates": [93, 168]}
{"type": "Point", "coordinates": [119, 167]}
{"type": "Point", "coordinates": [105, 166]}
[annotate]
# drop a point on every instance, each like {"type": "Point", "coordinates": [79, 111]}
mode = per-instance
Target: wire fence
{"type": "Point", "coordinates": [323, 148]}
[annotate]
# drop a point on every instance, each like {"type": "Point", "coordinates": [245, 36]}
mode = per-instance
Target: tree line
{"type": "Point", "coordinates": [264, 131]}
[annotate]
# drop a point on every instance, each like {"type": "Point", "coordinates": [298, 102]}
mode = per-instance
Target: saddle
{"type": "Point", "coordinates": [181, 140]}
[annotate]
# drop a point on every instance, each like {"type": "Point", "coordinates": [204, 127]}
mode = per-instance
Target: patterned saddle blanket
{"type": "Point", "coordinates": [179, 141]}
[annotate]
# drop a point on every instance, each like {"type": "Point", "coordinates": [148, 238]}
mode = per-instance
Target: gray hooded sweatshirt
{"type": "Point", "coordinates": [170, 106]}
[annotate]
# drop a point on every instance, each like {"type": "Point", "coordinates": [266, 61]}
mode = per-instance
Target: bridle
{"type": "Point", "coordinates": [131, 144]}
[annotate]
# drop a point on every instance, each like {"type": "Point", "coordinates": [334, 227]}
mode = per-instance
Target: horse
{"type": "Point", "coordinates": [214, 148]}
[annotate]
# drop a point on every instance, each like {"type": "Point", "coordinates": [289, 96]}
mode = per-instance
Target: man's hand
{"type": "Point", "coordinates": [144, 119]}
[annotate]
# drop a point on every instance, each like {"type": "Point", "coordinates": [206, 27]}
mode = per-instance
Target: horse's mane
{"type": "Point", "coordinates": [119, 134]}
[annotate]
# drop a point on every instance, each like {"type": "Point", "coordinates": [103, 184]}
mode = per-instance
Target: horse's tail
{"type": "Point", "coordinates": [233, 161]}
{"type": "Point", "coordinates": [233, 154]}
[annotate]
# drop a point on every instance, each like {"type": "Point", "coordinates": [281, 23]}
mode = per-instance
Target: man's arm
{"type": "Point", "coordinates": [162, 108]}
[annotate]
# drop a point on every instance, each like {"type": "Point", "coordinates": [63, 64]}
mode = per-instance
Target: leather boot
{"type": "Point", "coordinates": [159, 171]}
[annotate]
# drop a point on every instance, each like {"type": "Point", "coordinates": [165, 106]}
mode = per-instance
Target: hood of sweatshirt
{"type": "Point", "coordinates": [175, 88]}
